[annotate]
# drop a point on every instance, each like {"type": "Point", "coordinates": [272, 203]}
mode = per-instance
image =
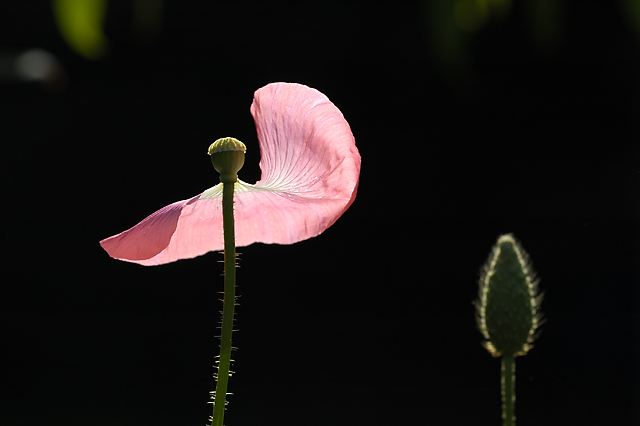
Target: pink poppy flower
{"type": "Point", "coordinates": [310, 170]}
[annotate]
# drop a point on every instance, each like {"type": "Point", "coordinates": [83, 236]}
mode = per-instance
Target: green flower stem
{"type": "Point", "coordinates": [508, 390]}
{"type": "Point", "coordinates": [229, 301]}
{"type": "Point", "coordinates": [227, 157]}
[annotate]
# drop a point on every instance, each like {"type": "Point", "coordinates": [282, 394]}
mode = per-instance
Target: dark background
{"type": "Point", "coordinates": [528, 124]}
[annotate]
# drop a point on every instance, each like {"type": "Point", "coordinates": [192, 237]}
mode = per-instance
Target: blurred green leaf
{"type": "Point", "coordinates": [80, 23]}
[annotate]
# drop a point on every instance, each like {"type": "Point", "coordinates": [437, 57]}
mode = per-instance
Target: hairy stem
{"type": "Point", "coordinates": [508, 390]}
{"type": "Point", "coordinates": [229, 300]}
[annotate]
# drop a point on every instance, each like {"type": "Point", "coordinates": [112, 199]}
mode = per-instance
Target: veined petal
{"type": "Point", "coordinates": [310, 171]}
{"type": "Point", "coordinates": [306, 145]}
{"type": "Point", "coordinates": [148, 238]}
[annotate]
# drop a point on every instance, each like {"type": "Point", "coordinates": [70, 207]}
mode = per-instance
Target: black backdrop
{"type": "Point", "coordinates": [372, 322]}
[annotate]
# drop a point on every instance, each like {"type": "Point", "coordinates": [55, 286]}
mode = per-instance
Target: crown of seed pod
{"type": "Point", "coordinates": [509, 301]}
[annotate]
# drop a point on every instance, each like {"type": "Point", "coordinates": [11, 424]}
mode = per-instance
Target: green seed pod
{"type": "Point", "coordinates": [227, 157]}
{"type": "Point", "coordinates": [508, 306]}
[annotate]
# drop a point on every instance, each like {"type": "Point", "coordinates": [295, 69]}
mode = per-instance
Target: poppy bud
{"type": "Point", "coordinates": [227, 157]}
{"type": "Point", "coordinates": [509, 300]}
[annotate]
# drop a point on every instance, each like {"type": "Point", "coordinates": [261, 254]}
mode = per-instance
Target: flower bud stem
{"type": "Point", "coordinates": [508, 390]}
{"type": "Point", "coordinates": [229, 300]}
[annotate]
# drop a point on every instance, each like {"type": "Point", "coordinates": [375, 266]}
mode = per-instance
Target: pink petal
{"type": "Point", "coordinates": [310, 170]}
{"type": "Point", "coordinates": [306, 145]}
{"type": "Point", "coordinates": [178, 231]}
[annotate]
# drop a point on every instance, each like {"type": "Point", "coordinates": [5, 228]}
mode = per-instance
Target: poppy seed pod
{"type": "Point", "coordinates": [227, 157]}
